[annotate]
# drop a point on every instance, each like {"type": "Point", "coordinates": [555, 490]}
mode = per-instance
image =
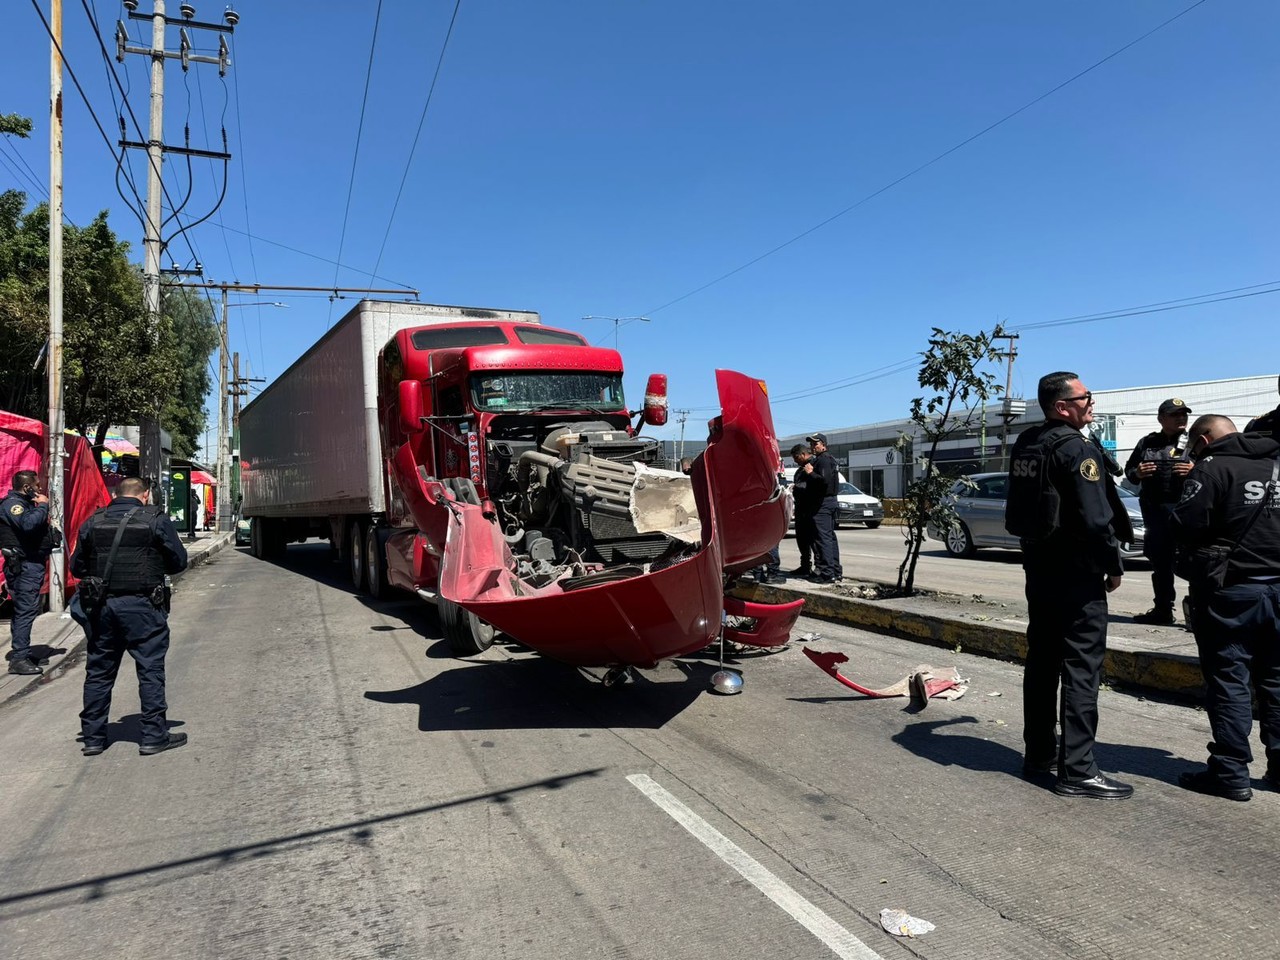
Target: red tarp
{"type": "Point", "coordinates": [22, 447]}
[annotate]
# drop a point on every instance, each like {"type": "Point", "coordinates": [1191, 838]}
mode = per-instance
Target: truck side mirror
{"type": "Point", "coordinates": [412, 408]}
{"type": "Point", "coordinates": [655, 400]}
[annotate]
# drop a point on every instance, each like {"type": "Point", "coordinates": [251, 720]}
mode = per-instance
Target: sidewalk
{"type": "Point", "coordinates": [61, 639]}
{"type": "Point", "coordinates": [1161, 659]}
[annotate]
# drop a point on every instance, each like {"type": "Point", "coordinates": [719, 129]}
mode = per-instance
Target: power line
{"type": "Point", "coordinates": [244, 197]}
{"type": "Point", "coordinates": [1159, 307]}
{"type": "Point", "coordinates": [924, 166]}
{"type": "Point", "coordinates": [313, 256]}
{"type": "Point", "coordinates": [351, 182]}
{"type": "Point", "coordinates": [409, 162]}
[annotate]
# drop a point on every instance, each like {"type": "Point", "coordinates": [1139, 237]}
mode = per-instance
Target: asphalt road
{"type": "Point", "coordinates": [350, 791]}
{"type": "Point", "coordinates": [995, 574]}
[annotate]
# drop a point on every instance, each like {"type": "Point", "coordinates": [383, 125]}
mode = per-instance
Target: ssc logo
{"type": "Point", "coordinates": [1025, 468]}
{"type": "Point", "coordinates": [1190, 488]}
{"type": "Point", "coordinates": [1089, 470]}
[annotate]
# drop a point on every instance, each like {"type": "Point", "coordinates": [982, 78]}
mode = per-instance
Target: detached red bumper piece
{"type": "Point", "coordinates": [921, 685]}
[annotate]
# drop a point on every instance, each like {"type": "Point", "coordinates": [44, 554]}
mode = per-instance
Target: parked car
{"type": "Point", "coordinates": [980, 517]}
{"type": "Point", "coordinates": [242, 532]}
{"type": "Point", "coordinates": [854, 506]}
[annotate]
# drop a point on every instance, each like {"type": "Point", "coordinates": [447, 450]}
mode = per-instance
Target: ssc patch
{"type": "Point", "coordinates": [16, 510]}
{"type": "Point", "coordinates": [1190, 488]}
{"type": "Point", "coordinates": [1089, 470]}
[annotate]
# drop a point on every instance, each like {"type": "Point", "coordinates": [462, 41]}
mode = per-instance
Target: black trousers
{"type": "Point", "coordinates": [24, 588]}
{"type": "Point", "coordinates": [1238, 634]}
{"type": "Point", "coordinates": [826, 550]}
{"type": "Point", "coordinates": [806, 533]}
{"type": "Point", "coordinates": [1066, 641]}
{"type": "Point", "coordinates": [1157, 546]}
{"type": "Point", "coordinates": [132, 625]}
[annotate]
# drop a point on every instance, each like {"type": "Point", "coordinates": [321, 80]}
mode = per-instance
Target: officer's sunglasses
{"type": "Point", "coordinates": [1087, 397]}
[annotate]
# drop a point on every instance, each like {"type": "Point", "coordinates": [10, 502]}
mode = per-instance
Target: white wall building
{"type": "Point", "coordinates": [874, 460]}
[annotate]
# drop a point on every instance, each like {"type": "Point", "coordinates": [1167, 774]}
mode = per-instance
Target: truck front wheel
{"type": "Point", "coordinates": [465, 633]}
{"type": "Point", "coordinates": [375, 564]}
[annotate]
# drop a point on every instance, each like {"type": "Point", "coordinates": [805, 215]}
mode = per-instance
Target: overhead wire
{"type": "Point", "coordinates": [413, 149]}
{"type": "Point", "coordinates": [355, 157]}
{"type": "Point", "coordinates": [244, 194]}
{"type": "Point", "coordinates": [924, 166]}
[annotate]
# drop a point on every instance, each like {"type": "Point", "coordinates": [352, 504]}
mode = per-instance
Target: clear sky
{"type": "Point", "coordinates": [582, 157]}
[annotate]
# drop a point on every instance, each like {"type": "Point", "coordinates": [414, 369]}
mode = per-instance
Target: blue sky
{"type": "Point", "coordinates": [607, 158]}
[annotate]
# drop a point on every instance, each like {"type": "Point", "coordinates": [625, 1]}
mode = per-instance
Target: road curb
{"type": "Point", "coordinates": [60, 665]}
{"type": "Point", "coordinates": [1167, 673]}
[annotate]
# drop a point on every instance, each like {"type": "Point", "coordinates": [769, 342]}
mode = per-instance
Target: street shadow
{"type": "Point", "coordinates": [128, 729]}
{"type": "Point", "coordinates": [359, 831]}
{"type": "Point", "coordinates": [528, 692]}
{"type": "Point", "coordinates": [932, 740]}
{"type": "Point", "coordinates": [40, 651]}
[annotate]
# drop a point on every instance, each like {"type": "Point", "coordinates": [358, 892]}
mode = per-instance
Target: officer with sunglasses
{"type": "Point", "coordinates": [1064, 508]}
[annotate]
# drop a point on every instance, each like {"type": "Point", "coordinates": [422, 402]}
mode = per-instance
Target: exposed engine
{"type": "Point", "coordinates": [571, 500]}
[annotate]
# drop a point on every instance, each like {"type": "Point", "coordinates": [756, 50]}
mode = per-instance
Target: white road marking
{"type": "Point", "coordinates": [840, 941]}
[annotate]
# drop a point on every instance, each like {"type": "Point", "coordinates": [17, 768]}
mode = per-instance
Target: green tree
{"type": "Point", "coordinates": [117, 366]}
{"type": "Point", "coordinates": [15, 125]}
{"type": "Point", "coordinates": [951, 369]}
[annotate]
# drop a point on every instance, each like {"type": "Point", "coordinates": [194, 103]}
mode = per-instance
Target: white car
{"type": "Point", "coordinates": [853, 506]}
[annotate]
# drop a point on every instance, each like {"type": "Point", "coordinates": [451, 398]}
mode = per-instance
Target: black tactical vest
{"type": "Point", "coordinates": [138, 566]}
{"type": "Point", "coordinates": [1032, 509]}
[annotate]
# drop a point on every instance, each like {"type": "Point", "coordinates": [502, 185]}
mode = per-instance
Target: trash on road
{"type": "Point", "coordinates": [902, 924]}
{"type": "Point", "coordinates": [922, 684]}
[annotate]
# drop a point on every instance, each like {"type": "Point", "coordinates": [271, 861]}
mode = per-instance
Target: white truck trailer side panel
{"type": "Point", "coordinates": [309, 442]}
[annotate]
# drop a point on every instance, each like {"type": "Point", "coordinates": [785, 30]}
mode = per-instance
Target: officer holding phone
{"type": "Point", "coordinates": [26, 540]}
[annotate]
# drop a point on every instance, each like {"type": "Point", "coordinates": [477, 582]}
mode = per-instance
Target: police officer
{"type": "Point", "coordinates": [1064, 507]}
{"type": "Point", "coordinates": [807, 492]}
{"type": "Point", "coordinates": [1232, 500]}
{"type": "Point", "coordinates": [133, 617]}
{"type": "Point", "coordinates": [26, 540]}
{"type": "Point", "coordinates": [826, 550]}
{"type": "Point", "coordinates": [1158, 465]}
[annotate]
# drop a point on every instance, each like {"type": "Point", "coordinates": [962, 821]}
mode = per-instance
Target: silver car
{"type": "Point", "coordinates": [980, 517]}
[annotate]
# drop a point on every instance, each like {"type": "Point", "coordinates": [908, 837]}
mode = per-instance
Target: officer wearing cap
{"type": "Point", "coordinates": [1231, 506]}
{"type": "Point", "coordinates": [825, 473]}
{"type": "Point", "coordinates": [139, 543]}
{"type": "Point", "coordinates": [1157, 466]}
{"type": "Point", "coordinates": [1064, 508]}
{"type": "Point", "coordinates": [26, 540]}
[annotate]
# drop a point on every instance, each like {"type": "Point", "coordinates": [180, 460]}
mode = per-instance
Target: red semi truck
{"type": "Point", "coordinates": [490, 464]}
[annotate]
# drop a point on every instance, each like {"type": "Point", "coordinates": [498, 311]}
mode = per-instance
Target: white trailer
{"type": "Point", "coordinates": [310, 449]}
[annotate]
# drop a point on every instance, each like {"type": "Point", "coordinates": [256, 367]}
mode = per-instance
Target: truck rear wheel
{"type": "Point", "coordinates": [375, 565]}
{"type": "Point", "coordinates": [355, 547]}
{"type": "Point", "coordinates": [465, 633]}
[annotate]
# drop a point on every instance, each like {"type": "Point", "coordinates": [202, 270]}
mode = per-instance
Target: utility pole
{"type": "Point", "coordinates": [1009, 410]}
{"type": "Point", "coordinates": [55, 447]}
{"type": "Point", "coordinates": [152, 241]}
{"type": "Point", "coordinates": [224, 447]}
{"type": "Point", "coordinates": [239, 388]}
{"type": "Point", "coordinates": [681, 416]}
{"type": "Point", "coordinates": [617, 322]}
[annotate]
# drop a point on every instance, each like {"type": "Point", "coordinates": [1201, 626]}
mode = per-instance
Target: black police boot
{"type": "Point", "coordinates": [1100, 787]}
{"type": "Point", "coordinates": [24, 666]}
{"type": "Point", "coordinates": [1156, 616]}
{"type": "Point", "coordinates": [800, 572]}
{"type": "Point", "coordinates": [175, 740]}
{"type": "Point", "coordinates": [93, 749]}
{"type": "Point", "coordinates": [1202, 781]}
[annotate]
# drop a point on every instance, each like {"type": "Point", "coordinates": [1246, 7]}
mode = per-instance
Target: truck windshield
{"type": "Point", "coordinates": [504, 393]}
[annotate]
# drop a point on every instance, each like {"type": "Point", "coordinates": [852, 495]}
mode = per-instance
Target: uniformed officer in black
{"type": "Point", "coordinates": [26, 540]}
{"type": "Point", "coordinates": [808, 491]}
{"type": "Point", "coordinates": [1158, 465]}
{"type": "Point", "coordinates": [133, 617]}
{"type": "Point", "coordinates": [1064, 507]}
{"type": "Point", "coordinates": [826, 549]}
{"type": "Point", "coordinates": [1231, 497]}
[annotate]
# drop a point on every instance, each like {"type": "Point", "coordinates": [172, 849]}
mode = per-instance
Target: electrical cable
{"type": "Point", "coordinates": [924, 166]}
{"type": "Point", "coordinates": [355, 157]}
{"type": "Point", "coordinates": [244, 191]}
{"type": "Point", "coordinates": [409, 162]}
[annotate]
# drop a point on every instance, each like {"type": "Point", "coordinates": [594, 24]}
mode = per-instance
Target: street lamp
{"type": "Point", "coordinates": [617, 322]}
{"type": "Point", "coordinates": [224, 454]}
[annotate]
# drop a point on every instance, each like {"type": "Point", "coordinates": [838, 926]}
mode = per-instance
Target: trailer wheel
{"type": "Point", "coordinates": [375, 565]}
{"type": "Point", "coordinates": [355, 547]}
{"type": "Point", "coordinates": [465, 633]}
